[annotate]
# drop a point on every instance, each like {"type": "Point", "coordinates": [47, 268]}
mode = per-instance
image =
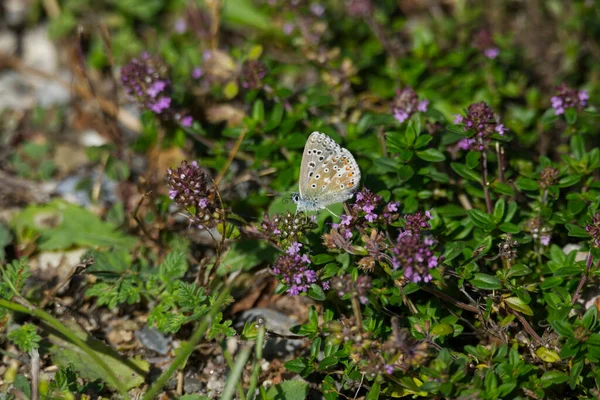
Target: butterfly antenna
{"type": "Point", "coordinates": [332, 213]}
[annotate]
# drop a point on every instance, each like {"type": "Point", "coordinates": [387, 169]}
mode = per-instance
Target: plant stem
{"type": "Point", "coordinates": [187, 348]}
{"type": "Point", "coordinates": [588, 264]}
{"type": "Point", "coordinates": [357, 312]}
{"type": "Point", "coordinates": [56, 324]}
{"type": "Point", "coordinates": [258, 351]}
{"type": "Point", "coordinates": [501, 161]}
{"type": "Point", "coordinates": [484, 183]}
{"type": "Point", "coordinates": [35, 374]}
{"type": "Point", "coordinates": [240, 387]}
{"type": "Point", "coordinates": [236, 373]}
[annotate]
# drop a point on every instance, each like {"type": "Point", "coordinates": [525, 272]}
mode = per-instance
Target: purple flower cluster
{"type": "Point", "coordinates": [253, 73]}
{"type": "Point", "coordinates": [593, 228]}
{"type": "Point", "coordinates": [416, 222]}
{"type": "Point", "coordinates": [364, 209]}
{"type": "Point", "coordinates": [344, 285]}
{"type": "Point", "coordinates": [189, 188]}
{"type": "Point", "coordinates": [414, 254]}
{"type": "Point", "coordinates": [484, 42]}
{"type": "Point", "coordinates": [569, 98]}
{"type": "Point", "coordinates": [146, 80]}
{"type": "Point", "coordinates": [481, 119]}
{"type": "Point", "coordinates": [406, 103]}
{"type": "Point", "coordinates": [294, 270]}
{"type": "Point", "coordinates": [284, 229]}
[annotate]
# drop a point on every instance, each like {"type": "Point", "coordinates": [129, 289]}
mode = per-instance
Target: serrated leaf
{"type": "Point", "coordinates": [63, 225]}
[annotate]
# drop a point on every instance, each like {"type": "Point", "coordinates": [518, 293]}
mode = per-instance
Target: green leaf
{"type": "Point", "coordinates": [473, 159]}
{"type": "Point", "coordinates": [431, 155]}
{"type": "Point", "coordinates": [553, 377]}
{"type": "Point", "coordinates": [245, 255]}
{"type": "Point", "coordinates": [316, 292]}
{"type": "Point", "coordinates": [288, 390]}
{"type": "Point", "coordinates": [519, 305]}
{"type": "Point", "coordinates": [422, 141]}
{"type": "Point", "coordinates": [577, 231]}
{"type": "Point", "coordinates": [131, 371]}
{"type": "Point", "coordinates": [563, 328]}
{"type": "Point", "coordinates": [63, 225]}
{"type": "Point", "coordinates": [465, 172]}
{"type": "Point", "coordinates": [230, 90]}
{"type": "Point", "coordinates": [481, 219]}
{"type": "Point", "coordinates": [547, 355]}
{"type": "Point", "coordinates": [485, 281]}
{"type": "Point", "coordinates": [575, 373]}
{"type": "Point", "coordinates": [526, 184]}
{"type": "Point", "coordinates": [296, 365]}
{"type": "Point", "coordinates": [571, 115]}
{"type": "Point", "coordinates": [507, 227]}
{"type": "Point", "coordinates": [258, 111]}
{"type": "Point", "coordinates": [577, 147]}
{"type": "Point", "coordinates": [173, 268]}
{"type": "Point", "coordinates": [499, 210]}
{"type": "Point", "coordinates": [327, 362]}
{"type": "Point", "coordinates": [25, 337]}
{"type": "Point", "coordinates": [442, 330]}
{"type": "Point", "coordinates": [518, 270]}
{"type": "Point", "coordinates": [275, 117]}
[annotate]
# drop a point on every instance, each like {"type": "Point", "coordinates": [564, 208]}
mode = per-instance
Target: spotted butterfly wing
{"type": "Point", "coordinates": [328, 173]}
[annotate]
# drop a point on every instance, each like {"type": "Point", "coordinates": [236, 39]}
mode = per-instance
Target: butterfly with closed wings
{"type": "Point", "coordinates": [328, 174]}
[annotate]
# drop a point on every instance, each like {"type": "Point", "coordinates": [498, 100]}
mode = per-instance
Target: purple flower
{"type": "Point", "coordinates": [491, 52]}
{"type": "Point", "coordinates": [568, 98]}
{"type": "Point", "coordinates": [481, 118]}
{"type": "Point", "coordinates": [545, 240]}
{"type": "Point", "coordinates": [389, 369]}
{"type": "Point", "coordinates": [197, 73]}
{"type": "Point", "coordinates": [458, 119]}
{"type": "Point", "coordinates": [393, 207]}
{"type": "Point", "coordinates": [288, 28]}
{"type": "Point", "coordinates": [346, 219]}
{"type": "Point", "coordinates": [156, 88]}
{"type": "Point", "coordinates": [317, 9]}
{"type": "Point", "coordinates": [371, 217]}
{"type": "Point", "coordinates": [401, 115]}
{"type": "Point", "coordinates": [173, 193]}
{"type": "Point", "coordinates": [464, 144]}
{"type": "Point", "coordinates": [294, 248]}
{"type": "Point", "coordinates": [294, 271]}
{"type": "Point", "coordinates": [325, 285]}
{"type": "Point", "coordinates": [500, 129]}
{"type": "Point", "coordinates": [406, 103]}
{"type": "Point", "coordinates": [422, 106]}
{"type": "Point", "coordinates": [180, 25]}
{"type": "Point", "coordinates": [161, 104]}
{"type": "Point", "coordinates": [187, 121]}
{"type": "Point", "coordinates": [202, 203]}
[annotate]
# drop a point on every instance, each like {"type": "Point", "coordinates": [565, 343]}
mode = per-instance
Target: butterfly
{"type": "Point", "coordinates": [328, 174]}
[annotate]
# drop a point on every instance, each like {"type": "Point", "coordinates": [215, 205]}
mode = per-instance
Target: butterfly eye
{"type": "Point", "coordinates": [326, 170]}
{"type": "Point", "coordinates": [314, 185]}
